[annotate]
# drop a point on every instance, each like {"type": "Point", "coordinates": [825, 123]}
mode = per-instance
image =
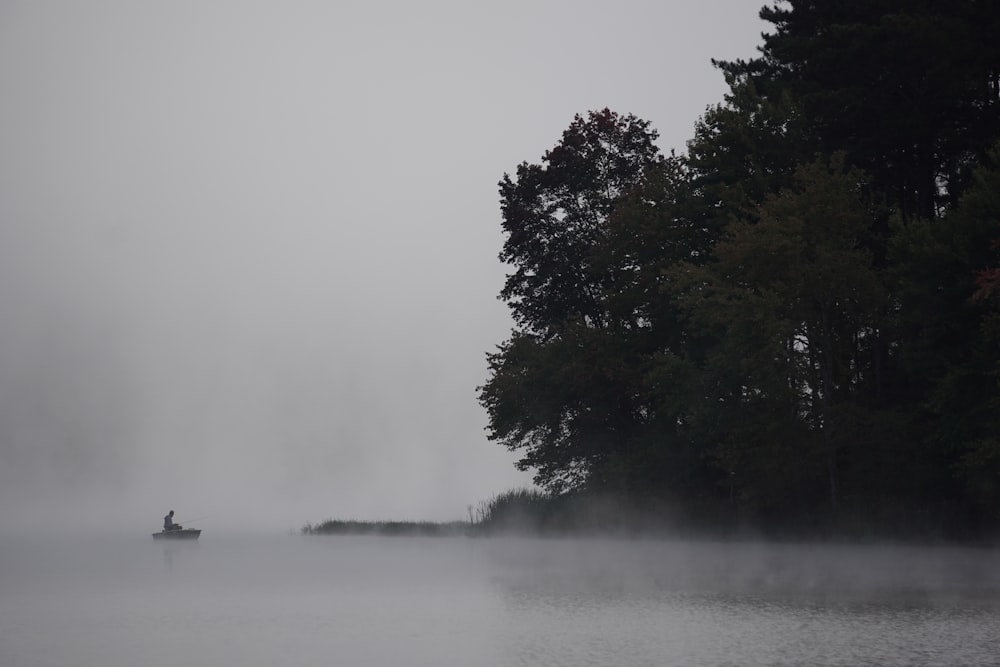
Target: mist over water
{"type": "Point", "coordinates": [248, 251]}
{"type": "Point", "coordinates": [248, 273]}
{"type": "Point", "coordinates": [255, 600]}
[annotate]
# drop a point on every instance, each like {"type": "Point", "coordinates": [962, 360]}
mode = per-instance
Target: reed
{"type": "Point", "coordinates": [387, 528]}
{"type": "Point", "coordinates": [515, 511]}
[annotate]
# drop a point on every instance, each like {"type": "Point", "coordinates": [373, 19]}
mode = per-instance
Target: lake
{"type": "Point", "coordinates": [320, 600]}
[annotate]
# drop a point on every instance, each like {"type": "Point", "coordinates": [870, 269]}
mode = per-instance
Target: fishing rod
{"type": "Point", "coordinates": [201, 518]}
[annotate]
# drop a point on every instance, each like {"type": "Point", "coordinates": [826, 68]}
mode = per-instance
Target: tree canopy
{"type": "Point", "coordinates": [797, 322]}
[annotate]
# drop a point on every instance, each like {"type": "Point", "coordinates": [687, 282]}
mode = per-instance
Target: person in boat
{"type": "Point", "coordinates": [168, 522]}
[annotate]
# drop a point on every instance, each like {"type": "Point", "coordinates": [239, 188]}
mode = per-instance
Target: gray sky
{"type": "Point", "coordinates": [248, 249]}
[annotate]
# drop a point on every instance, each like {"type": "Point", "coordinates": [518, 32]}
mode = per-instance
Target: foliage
{"type": "Point", "coordinates": [545, 396]}
{"type": "Point", "coordinates": [554, 212]}
{"type": "Point", "coordinates": [792, 301]}
{"type": "Point", "coordinates": [797, 323]}
{"type": "Point", "coordinates": [947, 325]}
{"type": "Point", "coordinates": [908, 89]}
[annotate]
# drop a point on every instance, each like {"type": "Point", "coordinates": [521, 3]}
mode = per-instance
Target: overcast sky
{"type": "Point", "coordinates": [248, 250]}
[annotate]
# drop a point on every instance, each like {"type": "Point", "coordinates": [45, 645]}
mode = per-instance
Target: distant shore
{"type": "Point", "coordinates": [390, 528]}
{"type": "Point", "coordinates": [527, 512]}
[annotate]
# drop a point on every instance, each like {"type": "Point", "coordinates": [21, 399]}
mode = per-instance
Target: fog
{"type": "Point", "coordinates": [278, 599]}
{"type": "Point", "coordinates": [248, 250]}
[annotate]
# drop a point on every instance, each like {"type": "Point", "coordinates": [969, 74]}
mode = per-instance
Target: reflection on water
{"type": "Point", "coordinates": [384, 601]}
{"type": "Point", "coordinates": [752, 604]}
{"type": "Point", "coordinates": [180, 547]}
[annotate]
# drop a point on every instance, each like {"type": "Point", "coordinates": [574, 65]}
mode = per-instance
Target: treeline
{"type": "Point", "coordinates": [796, 323]}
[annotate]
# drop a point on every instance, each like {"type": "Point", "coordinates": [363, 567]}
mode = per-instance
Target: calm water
{"type": "Point", "coordinates": [292, 600]}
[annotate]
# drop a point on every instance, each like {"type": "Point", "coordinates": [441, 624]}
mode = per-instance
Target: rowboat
{"type": "Point", "coordinates": [182, 534]}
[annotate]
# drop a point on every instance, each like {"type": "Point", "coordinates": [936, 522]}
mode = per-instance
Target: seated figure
{"type": "Point", "coordinates": [168, 522]}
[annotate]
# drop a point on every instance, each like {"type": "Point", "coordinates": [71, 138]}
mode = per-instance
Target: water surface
{"type": "Point", "coordinates": [297, 600]}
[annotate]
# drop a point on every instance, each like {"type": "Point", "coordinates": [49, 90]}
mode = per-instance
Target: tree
{"type": "Point", "coordinates": [562, 387]}
{"type": "Point", "coordinates": [792, 302]}
{"type": "Point", "coordinates": [554, 215]}
{"type": "Point", "coordinates": [946, 322]}
{"type": "Point", "coordinates": [744, 150]}
{"type": "Point", "coordinates": [908, 89]}
{"type": "Point", "coordinates": [757, 324]}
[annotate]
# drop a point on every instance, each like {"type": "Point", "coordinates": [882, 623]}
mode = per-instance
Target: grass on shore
{"type": "Point", "coordinates": [514, 510]}
{"type": "Point", "coordinates": [387, 528]}
{"type": "Point", "coordinates": [531, 512]}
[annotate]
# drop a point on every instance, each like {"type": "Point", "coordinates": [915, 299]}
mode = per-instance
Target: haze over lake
{"type": "Point", "coordinates": [296, 600]}
{"type": "Point", "coordinates": [248, 272]}
{"type": "Point", "coordinates": [248, 250]}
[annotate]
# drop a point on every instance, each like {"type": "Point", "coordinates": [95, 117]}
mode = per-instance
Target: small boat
{"type": "Point", "coordinates": [182, 534]}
